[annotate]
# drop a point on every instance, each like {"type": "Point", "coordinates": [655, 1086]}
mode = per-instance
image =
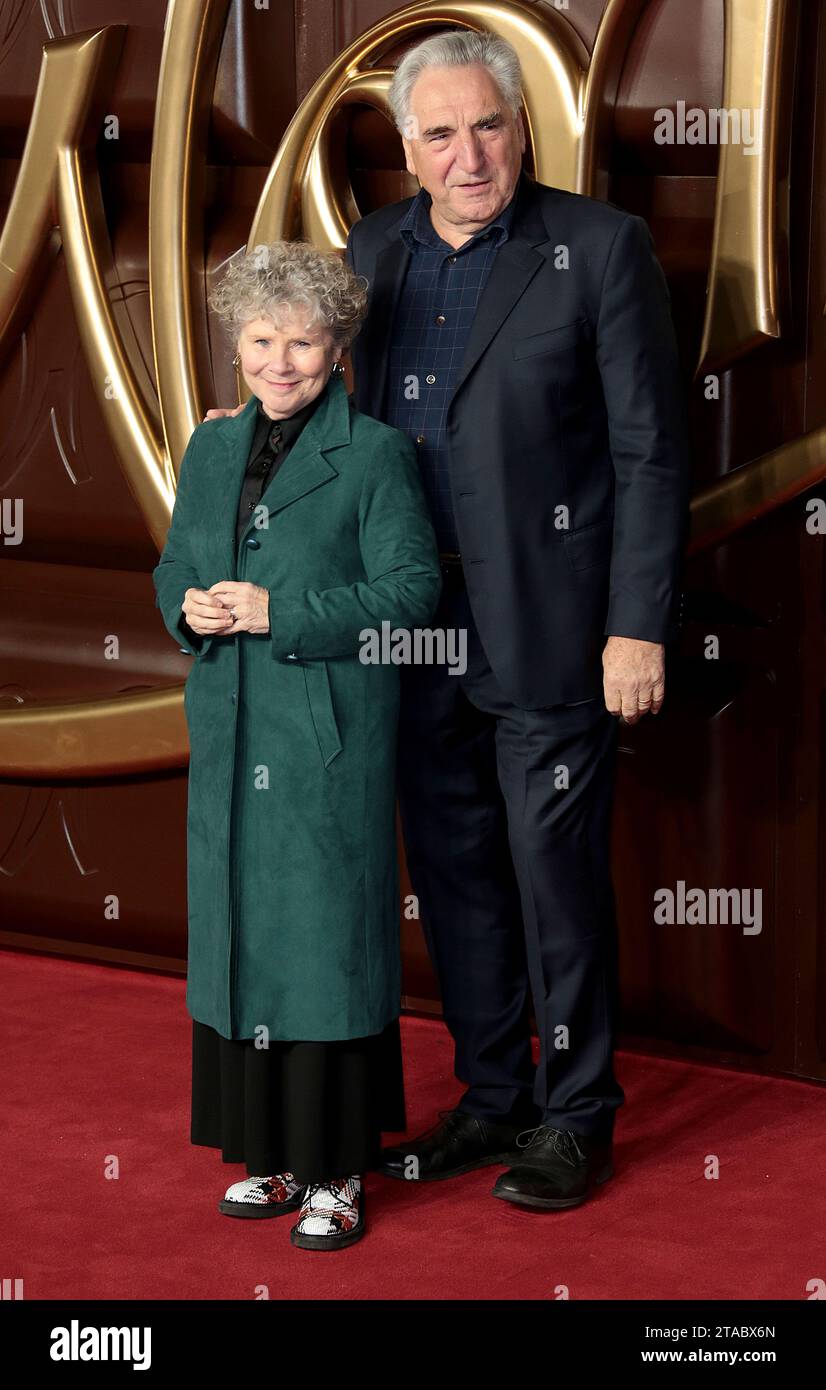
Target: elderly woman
{"type": "Point", "coordinates": [299, 526]}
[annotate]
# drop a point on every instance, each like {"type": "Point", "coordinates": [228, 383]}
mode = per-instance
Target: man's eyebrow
{"type": "Point", "coordinates": [446, 129]}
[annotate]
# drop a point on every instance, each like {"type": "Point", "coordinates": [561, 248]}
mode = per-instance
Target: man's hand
{"type": "Point", "coordinates": [249, 603]}
{"type": "Point", "coordinates": [633, 677]}
{"type": "Point", "coordinates": [218, 412]}
{"type": "Point", "coordinates": [207, 616]}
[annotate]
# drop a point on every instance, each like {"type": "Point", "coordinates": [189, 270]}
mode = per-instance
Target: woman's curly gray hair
{"type": "Point", "coordinates": [259, 283]}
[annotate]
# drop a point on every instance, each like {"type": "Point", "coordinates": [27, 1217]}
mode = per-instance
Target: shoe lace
{"type": "Point", "coordinates": [564, 1141]}
{"type": "Point", "coordinates": [528, 1137]}
{"type": "Point", "coordinates": [314, 1187]}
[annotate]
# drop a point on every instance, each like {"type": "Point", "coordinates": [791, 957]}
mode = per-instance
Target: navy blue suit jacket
{"type": "Point", "coordinates": [567, 437]}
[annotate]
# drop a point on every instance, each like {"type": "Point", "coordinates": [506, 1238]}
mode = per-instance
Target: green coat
{"type": "Point", "coordinates": [292, 869]}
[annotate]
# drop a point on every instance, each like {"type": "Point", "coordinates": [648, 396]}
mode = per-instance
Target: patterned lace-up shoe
{"type": "Point", "coordinates": [332, 1215]}
{"type": "Point", "coordinates": [274, 1196]}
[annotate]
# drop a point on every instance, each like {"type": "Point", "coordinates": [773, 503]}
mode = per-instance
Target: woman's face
{"type": "Point", "coordinates": [288, 366]}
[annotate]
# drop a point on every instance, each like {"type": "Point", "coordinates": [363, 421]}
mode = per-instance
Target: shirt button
{"type": "Point", "coordinates": [440, 318]}
{"type": "Point", "coordinates": [430, 378]}
{"type": "Point", "coordinates": [420, 439]}
{"type": "Point", "coordinates": [452, 260]}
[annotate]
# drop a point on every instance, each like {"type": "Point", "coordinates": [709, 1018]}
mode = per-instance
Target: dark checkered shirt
{"type": "Point", "coordinates": [436, 308]}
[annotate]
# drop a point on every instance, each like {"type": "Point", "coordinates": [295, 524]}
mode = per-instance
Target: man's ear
{"type": "Point", "coordinates": [408, 157]}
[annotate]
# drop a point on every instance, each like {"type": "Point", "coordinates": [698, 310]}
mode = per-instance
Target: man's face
{"type": "Point", "coordinates": [466, 146]}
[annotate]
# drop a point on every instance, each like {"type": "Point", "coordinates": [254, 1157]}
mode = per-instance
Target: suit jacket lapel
{"type": "Point", "coordinates": [514, 267]}
{"type": "Point", "coordinates": [515, 264]}
{"type": "Point", "coordinates": [374, 340]}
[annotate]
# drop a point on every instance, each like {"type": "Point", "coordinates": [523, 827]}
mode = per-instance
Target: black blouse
{"type": "Point", "coordinates": [272, 441]}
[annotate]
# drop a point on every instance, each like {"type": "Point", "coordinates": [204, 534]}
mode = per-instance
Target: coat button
{"type": "Point", "coordinates": [232, 697]}
{"type": "Point", "coordinates": [253, 543]}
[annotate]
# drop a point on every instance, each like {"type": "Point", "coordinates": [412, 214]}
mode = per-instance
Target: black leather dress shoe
{"type": "Point", "coordinates": [556, 1168]}
{"type": "Point", "coordinates": [457, 1144]}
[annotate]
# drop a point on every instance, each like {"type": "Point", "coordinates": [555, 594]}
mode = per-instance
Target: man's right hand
{"type": "Point", "coordinates": [218, 412]}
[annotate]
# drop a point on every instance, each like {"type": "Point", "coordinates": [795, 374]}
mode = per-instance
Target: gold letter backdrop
{"type": "Point", "coordinates": [569, 100]}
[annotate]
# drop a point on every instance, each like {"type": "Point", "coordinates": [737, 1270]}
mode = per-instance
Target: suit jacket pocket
{"type": "Point", "coordinates": [560, 339]}
{"type": "Point", "coordinates": [590, 545]}
{"type": "Point", "coordinates": [320, 700]}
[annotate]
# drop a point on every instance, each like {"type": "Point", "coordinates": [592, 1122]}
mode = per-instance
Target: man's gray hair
{"type": "Point", "coordinates": [456, 49]}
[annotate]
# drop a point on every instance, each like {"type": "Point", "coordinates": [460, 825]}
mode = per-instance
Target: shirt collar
{"type": "Point", "coordinates": [417, 225]}
{"type": "Point", "coordinates": [293, 425]}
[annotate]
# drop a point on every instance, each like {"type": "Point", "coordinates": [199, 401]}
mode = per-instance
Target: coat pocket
{"type": "Point", "coordinates": [552, 340]}
{"type": "Point", "coordinates": [320, 700]}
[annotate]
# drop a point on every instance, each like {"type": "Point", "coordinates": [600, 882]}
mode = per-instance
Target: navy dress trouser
{"type": "Point", "coordinates": [506, 819]}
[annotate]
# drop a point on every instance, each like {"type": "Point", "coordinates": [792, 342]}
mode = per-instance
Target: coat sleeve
{"type": "Point", "coordinates": [175, 571]}
{"type": "Point", "coordinates": [639, 365]}
{"type": "Point", "coordinates": [401, 564]}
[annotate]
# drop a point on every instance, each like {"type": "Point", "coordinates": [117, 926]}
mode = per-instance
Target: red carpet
{"type": "Point", "coordinates": [96, 1063]}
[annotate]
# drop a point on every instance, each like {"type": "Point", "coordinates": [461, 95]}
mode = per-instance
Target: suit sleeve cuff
{"type": "Point", "coordinates": [644, 624]}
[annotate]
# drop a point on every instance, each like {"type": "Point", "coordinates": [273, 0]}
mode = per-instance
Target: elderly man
{"type": "Point", "coordinates": [521, 336]}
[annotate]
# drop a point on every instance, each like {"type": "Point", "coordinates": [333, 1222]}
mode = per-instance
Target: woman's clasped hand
{"type": "Point", "coordinates": [228, 607]}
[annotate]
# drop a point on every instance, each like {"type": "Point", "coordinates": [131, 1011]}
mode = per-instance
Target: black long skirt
{"type": "Point", "coordinates": [313, 1109]}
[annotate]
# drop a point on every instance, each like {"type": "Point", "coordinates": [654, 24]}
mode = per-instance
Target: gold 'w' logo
{"type": "Point", "coordinates": [569, 98]}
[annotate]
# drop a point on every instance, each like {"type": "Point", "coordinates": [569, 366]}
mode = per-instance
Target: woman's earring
{"type": "Point", "coordinates": [338, 369]}
{"type": "Point", "coordinates": [236, 361]}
